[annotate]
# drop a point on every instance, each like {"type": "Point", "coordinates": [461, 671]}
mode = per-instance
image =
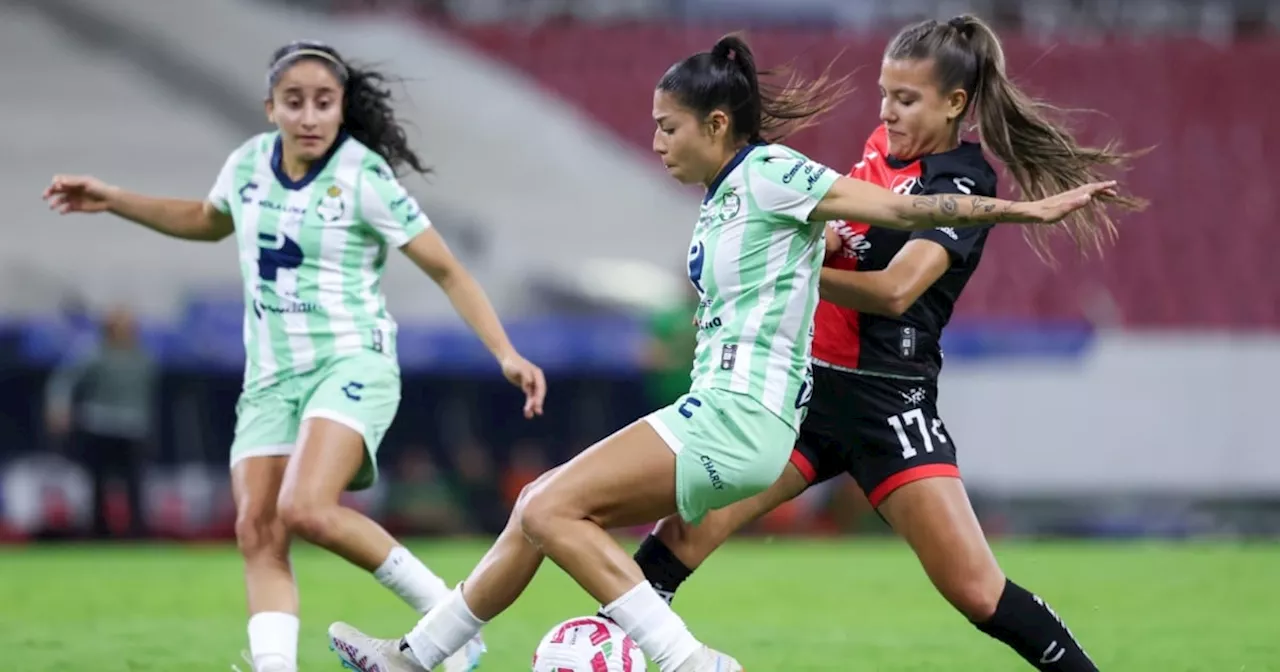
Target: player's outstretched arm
{"type": "Point", "coordinates": [186, 219]}
{"type": "Point", "coordinates": [429, 251]}
{"type": "Point", "coordinates": [859, 201]}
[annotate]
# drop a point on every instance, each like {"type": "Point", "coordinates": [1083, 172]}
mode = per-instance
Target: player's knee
{"type": "Point", "coordinates": [974, 594]}
{"type": "Point", "coordinates": [259, 533]}
{"type": "Point", "coordinates": [535, 513]}
{"type": "Point", "coordinates": [714, 530]}
{"type": "Point", "coordinates": [690, 541]}
{"type": "Point", "coordinates": [532, 506]}
{"type": "Point", "coordinates": [522, 500]}
{"type": "Point", "coordinates": [316, 524]}
{"type": "Point", "coordinates": [673, 532]}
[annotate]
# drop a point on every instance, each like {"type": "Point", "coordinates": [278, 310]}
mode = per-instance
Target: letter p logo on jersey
{"type": "Point", "coordinates": [697, 257]}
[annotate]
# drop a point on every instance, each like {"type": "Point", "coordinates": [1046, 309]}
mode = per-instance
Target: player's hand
{"type": "Point", "coordinates": [525, 375]}
{"type": "Point", "coordinates": [1054, 208]}
{"type": "Point", "coordinates": [78, 193]}
{"type": "Point", "coordinates": [834, 243]}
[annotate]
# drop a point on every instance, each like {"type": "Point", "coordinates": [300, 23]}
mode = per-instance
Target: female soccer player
{"type": "Point", "coordinates": [755, 258]}
{"type": "Point", "coordinates": [886, 297]}
{"type": "Point", "coordinates": [314, 207]}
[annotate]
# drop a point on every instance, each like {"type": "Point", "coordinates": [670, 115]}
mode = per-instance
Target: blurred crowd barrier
{"type": "Point", "coordinates": [1062, 430]}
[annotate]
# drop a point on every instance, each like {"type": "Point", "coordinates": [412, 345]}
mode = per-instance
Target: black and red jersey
{"type": "Point", "coordinates": [906, 345]}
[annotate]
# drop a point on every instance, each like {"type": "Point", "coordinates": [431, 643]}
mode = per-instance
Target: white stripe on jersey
{"type": "Point", "coordinates": [779, 245]}
{"type": "Point", "coordinates": [792, 321]}
{"type": "Point", "coordinates": [334, 243]}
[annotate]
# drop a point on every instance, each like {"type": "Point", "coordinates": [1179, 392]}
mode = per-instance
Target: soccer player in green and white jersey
{"type": "Point", "coordinates": [754, 259]}
{"type": "Point", "coordinates": [314, 207]}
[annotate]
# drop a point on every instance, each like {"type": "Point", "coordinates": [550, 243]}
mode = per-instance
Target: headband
{"type": "Point", "coordinates": [340, 68]}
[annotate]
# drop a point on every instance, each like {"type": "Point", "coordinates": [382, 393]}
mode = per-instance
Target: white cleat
{"type": "Point", "coordinates": [268, 665]}
{"type": "Point", "coordinates": [467, 659]}
{"type": "Point", "coordinates": [710, 660]}
{"type": "Point", "coordinates": [363, 653]}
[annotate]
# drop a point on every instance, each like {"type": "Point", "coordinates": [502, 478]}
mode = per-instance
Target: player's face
{"type": "Point", "coordinates": [917, 114]}
{"type": "Point", "coordinates": [686, 144]}
{"type": "Point", "coordinates": [306, 104]}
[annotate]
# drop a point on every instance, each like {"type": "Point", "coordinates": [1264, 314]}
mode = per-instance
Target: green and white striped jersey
{"type": "Point", "coordinates": [312, 253]}
{"type": "Point", "coordinates": [755, 261]}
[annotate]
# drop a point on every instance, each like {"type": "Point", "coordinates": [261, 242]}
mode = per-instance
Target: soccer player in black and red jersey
{"type": "Point", "coordinates": [886, 296]}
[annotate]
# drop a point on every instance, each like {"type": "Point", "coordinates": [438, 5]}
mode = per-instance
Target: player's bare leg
{"type": "Point", "coordinates": [508, 567]}
{"type": "Point", "coordinates": [328, 456]}
{"type": "Point", "coordinates": [264, 544]}
{"type": "Point", "coordinates": [626, 479]}
{"type": "Point", "coordinates": [936, 519]}
{"type": "Point", "coordinates": [326, 460]}
{"type": "Point", "coordinates": [495, 584]}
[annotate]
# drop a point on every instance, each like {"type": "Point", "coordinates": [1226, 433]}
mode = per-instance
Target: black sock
{"type": "Point", "coordinates": [1030, 627]}
{"type": "Point", "coordinates": [661, 567]}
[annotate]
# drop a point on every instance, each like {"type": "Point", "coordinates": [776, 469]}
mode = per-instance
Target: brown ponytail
{"type": "Point", "coordinates": [1043, 157]}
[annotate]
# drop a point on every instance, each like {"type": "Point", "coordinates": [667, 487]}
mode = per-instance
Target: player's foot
{"type": "Point", "coordinates": [710, 660]}
{"type": "Point", "coordinates": [467, 659]}
{"type": "Point", "coordinates": [267, 665]}
{"type": "Point", "coordinates": [363, 653]}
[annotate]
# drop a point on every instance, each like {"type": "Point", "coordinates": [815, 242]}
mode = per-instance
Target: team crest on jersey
{"type": "Point", "coordinates": [730, 205]}
{"type": "Point", "coordinates": [903, 184]}
{"type": "Point", "coordinates": [331, 206]}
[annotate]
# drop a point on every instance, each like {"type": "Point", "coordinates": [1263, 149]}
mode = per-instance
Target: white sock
{"type": "Point", "coordinates": [273, 637]}
{"type": "Point", "coordinates": [404, 574]}
{"type": "Point", "coordinates": [443, 631]}
{"type": "Point", "coordinates": [660, 633]}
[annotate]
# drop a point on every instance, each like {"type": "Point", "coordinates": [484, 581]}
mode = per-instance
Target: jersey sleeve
{"type": "Point", "coordinates": [790, 185]}
{"type": "Point", "coordinates": [220, 194]}
{"type": "Point", "coordinates": [953, 175]}
{"type": "Point", "coordinates": [387, 207]}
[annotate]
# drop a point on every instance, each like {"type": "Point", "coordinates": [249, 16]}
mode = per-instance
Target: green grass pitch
{"type": "Point", "coordinates": [788, 606]}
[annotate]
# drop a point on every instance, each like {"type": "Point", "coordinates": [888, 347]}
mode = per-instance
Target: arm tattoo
{"type": "Point", "coordinates": [947, 207]}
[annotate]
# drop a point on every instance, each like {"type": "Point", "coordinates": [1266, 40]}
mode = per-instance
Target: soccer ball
{"type": "Point", "coordinates": [588, 644]}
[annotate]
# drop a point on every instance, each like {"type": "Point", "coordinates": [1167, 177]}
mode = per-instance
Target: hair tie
{"type": "Point", "coordinates": [959, 23]}
{"type": "Point", "coordinates": [726, 50]}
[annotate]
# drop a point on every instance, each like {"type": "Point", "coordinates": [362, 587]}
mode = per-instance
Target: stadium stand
{"type": "Point", "coordinates": [1192, 259]}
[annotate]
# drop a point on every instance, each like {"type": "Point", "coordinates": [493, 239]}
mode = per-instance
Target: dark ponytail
{"type": "Point", "coordinates": [1043, 156]}
{"type": "Point", "coordinates": [727, 78]}
{"type": "Point", "coordinates": [366, 108]}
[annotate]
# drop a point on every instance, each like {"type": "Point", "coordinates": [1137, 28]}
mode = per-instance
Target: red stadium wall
{"type": "Point", "coordinates": [1199, 257]}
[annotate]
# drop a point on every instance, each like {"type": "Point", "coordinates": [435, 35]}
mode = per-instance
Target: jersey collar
{"type": "Point", "coordinates": [728, 168]}
{"type": "Point", "coordinates": [317, 166]}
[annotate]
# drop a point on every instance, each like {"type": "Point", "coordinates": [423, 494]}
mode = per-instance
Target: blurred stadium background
{"type": "Point", "coordinates": [1127, 396]}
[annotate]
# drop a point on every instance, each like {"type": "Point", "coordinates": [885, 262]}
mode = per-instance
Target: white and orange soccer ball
{"type": "Point", "coordinates": [588, 644]}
